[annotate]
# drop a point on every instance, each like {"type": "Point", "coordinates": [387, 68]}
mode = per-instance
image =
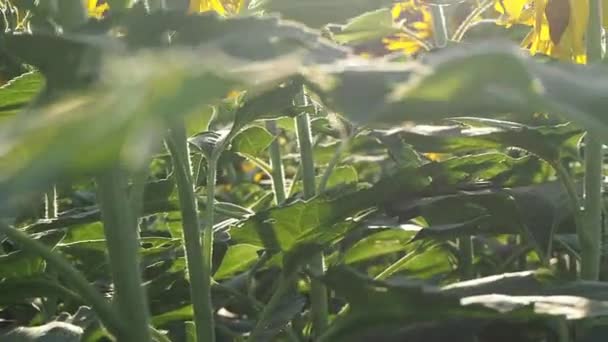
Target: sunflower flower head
{"type": "Point", "coordinates": [97, 8]}
{"type": "Point", "coordinates": [558, 26]}
{"type": "Point", "coordinates": [416, 21]}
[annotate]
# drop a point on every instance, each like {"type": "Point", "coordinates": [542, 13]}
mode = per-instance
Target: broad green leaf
{"type": "Point", "coordinates": [244, 37]}
{"type": "Point", "coordinates": [509, 297]}
{"type": "Point", "coordinates": [534, 210]}
{"type": "Point", "coordinates": [252, 141]}
{"type": "Point", "coordinates": [279, 228]}
{"type": "Point", "coordinates": [435, 261]}
{"type": "Point", "coordinates": [571, 307]}
{"type": "Point", "coordinates": [379, 244]}
{"type": "Point", "coordinates": [382, 305]}
{"type": "Point", "coordinates": [18, 92]}
{"type": "Point", "coordinates": [20, 263]}
{"type": "Point", "coordinates": [237, 259]}
{"type": "Point", "coordinates": [17, 290]}
{"type": "Point", "coordinates": [180, 314]}
{"type": "Point", "coordinates": [464, 81]}
{"type": "Point", "coordinates": [368, 26]}
{"type": "Point", "coordinates": [274, 103]}
{"type": "Point", "coordinates": [545, 142]}
{"type": "Point", "coordinates": [317, 13]}
{"type": "Point", "coordinates": [37, 141]}
{"type": "Point", "coordinates": [341, 175]}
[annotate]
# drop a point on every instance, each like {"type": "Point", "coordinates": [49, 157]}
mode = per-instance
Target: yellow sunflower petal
{"type": "Point", "coordinates": [97, 8]}
{"type": "Point", "coordinates": [207, 5]}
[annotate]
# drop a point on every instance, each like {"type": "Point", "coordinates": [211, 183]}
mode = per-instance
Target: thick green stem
{"type": "Point", "coordinates": [591, 233]}
{"type": "Point", "coordinates": [335, 159]}
{"type": "Point", "coordinates": [318, 292]}
{"type": "Point", "coordinates": [198, 258]}
{"type": "Point", "coordinates": [440, 28]}
{"type": "Point", "coordinates": [465, 245]}
{"type": "Point", "coordinates": [277, 174]}
{"type": "Point", "coordinates": [51, 209]}
{"type": "Point", "coordinates": [122, 240]}
{"type": "Point", "coordinates": [77, 281]}
{"type": "Point", "coordinates": [208, 240]}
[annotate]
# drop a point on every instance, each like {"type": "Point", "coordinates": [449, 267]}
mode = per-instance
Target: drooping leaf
{"type": "Point", "coordinates": [368, 26]}
{"type": "Point", "coordinates": [464, 81]}
{"type": "Point", "coordinates": [545, 142]}
{"type": "Point", "coordinates": [317, 13]}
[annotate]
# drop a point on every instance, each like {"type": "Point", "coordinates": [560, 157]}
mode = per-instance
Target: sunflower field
{"type": "Point", "coordinates": [303, 170]}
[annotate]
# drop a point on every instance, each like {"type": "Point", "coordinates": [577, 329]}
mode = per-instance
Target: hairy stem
{"type": "Point", "coordinates": [197, 258]}
{"type": "Point", "coordinates": [465, 245]}
{"type": "Point", "coordinates": [440, 28]}
{"type": "Point", "coordinates": [51, 208]}
{"type": "Point", "coordinates": [277, 174]}
{"type": "Point", "coordinates": [590, 234]}
{"type": "Point", "coordinates": [122, 239]}
{"type": "Point", "coordinates": [318, 292]}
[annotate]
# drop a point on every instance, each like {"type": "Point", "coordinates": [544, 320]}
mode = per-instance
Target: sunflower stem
{"type": "Point", "coordinates": [591, 232]}
{"type": "Point", "coordinates": [198, 258]}
{"type": "Point", "coordinates": [120, 229]}
{"type": "Point", "coordinates": [277, 174]}
{"type": "Point", "coordinates": [440, 27]}
{"type": "Point", "coordinates": [318, 293]}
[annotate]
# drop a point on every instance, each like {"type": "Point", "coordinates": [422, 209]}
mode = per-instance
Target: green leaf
{"type": "Point", "coordinates": [571, 307]}
{"type": "Point", "coordinates": [271, 104]}
{"type": "Point", "coordinates": [180, 314]}
{"type": "Point", "coordinates": [368, 26]}
{"type": "Point", "coordinates": [465, 81]}
{"type": "Point", "coordinates": [378, 244]}
{"type": "Point", "coordinates": [237, 259]}
{"type": "Point", "coordinates": [252, 141]}
{"type": "Point", "coordinates": [341, 176]}
{"type": "Point", "coordinates": [546, 142]}
{"type": "Point", "coordinates": [18, 92]}
{"type": "Point", "coordinates": [280, 228]}
{"type": "Point", "coordinates": [17, 290]}
{"type": "Point", "coordinates": [317, 13]}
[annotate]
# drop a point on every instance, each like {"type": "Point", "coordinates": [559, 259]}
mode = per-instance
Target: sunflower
{"type": "Point", "coordinates": [223, 7]}
{"type": "Point", "coordinates": [416, 21]}
{"type": "Point", "coordinates": [97, 8]}
{"type": "Point", "coordinates": [558, 27]}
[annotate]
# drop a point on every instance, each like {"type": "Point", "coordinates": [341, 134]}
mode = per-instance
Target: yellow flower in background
{"type": "Point", "coordinates": [416, 20]}
{"type": "Point", "coordinates": [223, 7]}
{"type": "Point", "coordinates": [558, 26]}
{"type": "Point", "coordinates": [515, 12]}
{"type": "Point", "coordinates": [97, 8]}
